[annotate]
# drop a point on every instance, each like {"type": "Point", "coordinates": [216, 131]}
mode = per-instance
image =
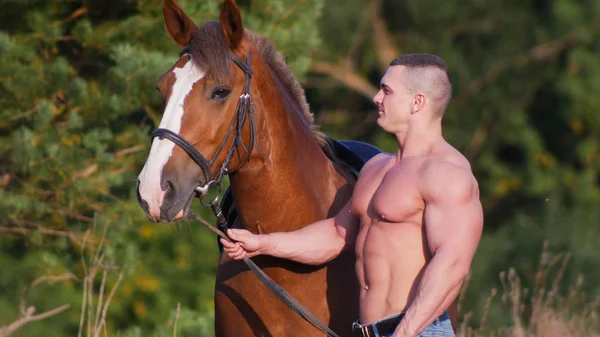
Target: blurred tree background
{"type": "Point", "coordinates": [77, 104]}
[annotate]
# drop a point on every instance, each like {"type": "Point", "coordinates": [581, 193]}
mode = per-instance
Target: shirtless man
{"type": "Point", "coordinates": [414, 219]}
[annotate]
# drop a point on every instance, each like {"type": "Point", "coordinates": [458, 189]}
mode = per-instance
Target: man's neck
{"type": "Point", "coordinates": [419, 138]}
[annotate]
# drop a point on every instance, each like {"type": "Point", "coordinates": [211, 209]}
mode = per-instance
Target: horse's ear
{"type": "Point", "coordinates": [179, 25]}
{"type": "Point", "coordinates": [231, 24]}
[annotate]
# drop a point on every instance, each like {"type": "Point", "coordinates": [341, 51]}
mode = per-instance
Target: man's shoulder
{"type": "Point", "coordinates": [378, 160]}
{"type": "Point", "coordinates": [447, 158]}
{"type": "Point", "coordinates": [448, 177]}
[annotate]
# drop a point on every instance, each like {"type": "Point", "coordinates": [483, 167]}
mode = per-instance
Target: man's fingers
{"type": "Point", "coordinates": [232, 234]}
{"type": "Point", "coordinates": [238, 234]}
{"type": "Point", "coordinates": [238, 255]}
{"type": "Point", "coordinates": [227, 243]}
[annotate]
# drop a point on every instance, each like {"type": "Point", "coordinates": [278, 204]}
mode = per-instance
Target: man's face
{"type": "Point", "coordinates": [393, 100]}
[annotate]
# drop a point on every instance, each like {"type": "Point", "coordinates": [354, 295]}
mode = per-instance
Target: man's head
{"type": "Point", "coordinates": [414, 83]}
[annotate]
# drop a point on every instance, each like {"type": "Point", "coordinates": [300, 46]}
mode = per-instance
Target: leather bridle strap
{"type": "Point", "coordinates": [184, 145]}
{"type": "Point", "coordinates": [244, 112]}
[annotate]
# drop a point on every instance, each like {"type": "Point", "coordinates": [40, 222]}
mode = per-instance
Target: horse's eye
{"type": "Point", "coordinates": [220, 94]}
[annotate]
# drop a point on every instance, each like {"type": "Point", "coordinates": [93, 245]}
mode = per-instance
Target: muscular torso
{"type": "Point", "coordinates": [391, 246]}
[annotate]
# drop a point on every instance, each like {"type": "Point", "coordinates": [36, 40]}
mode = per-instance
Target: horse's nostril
{"type": "Point", "coordinates": [168, 186]}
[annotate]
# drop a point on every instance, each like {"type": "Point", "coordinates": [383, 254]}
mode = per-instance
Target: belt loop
{"type": "Point", "coordinates": [375, 330]}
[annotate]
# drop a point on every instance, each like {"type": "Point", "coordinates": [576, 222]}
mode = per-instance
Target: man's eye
{"type": "Point", "coordinates": [220, 94]}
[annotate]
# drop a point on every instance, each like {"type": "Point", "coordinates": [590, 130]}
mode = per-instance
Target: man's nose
{"type": "Point", "coordinates": [377, 98]}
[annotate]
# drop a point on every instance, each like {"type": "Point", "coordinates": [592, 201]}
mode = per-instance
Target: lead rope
{"type": "Point", "coordinates": [275, 288]}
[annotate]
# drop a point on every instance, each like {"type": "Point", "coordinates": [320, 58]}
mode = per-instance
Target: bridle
{"type": "Point", "coordinates": [243, 112]}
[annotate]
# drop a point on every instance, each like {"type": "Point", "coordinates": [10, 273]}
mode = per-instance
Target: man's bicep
{"type": "Point", "coordinates": [457, 224]}
{"type": "Point", "coordinates": [454, 218]}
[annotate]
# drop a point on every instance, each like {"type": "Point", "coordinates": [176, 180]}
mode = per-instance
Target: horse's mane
{"type": "Point", "coordinates": [210, 51]}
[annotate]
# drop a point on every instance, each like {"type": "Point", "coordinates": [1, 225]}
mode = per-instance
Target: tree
{"type": "Point", "coordinates": [78, 103]}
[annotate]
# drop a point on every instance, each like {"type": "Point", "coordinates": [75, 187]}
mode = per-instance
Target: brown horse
{"type": "Point", "coordinates": [281, 176]}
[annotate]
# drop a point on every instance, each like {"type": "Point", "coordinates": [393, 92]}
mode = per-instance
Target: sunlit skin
{"type": "Point", "coordinates": [414, 219]}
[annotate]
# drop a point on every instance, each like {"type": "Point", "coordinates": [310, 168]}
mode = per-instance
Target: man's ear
{"type": "Point", "coordinates": [418, 103]}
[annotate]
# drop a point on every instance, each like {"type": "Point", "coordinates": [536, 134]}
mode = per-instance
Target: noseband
{"type": "Point", "coordinates": [243, 112]}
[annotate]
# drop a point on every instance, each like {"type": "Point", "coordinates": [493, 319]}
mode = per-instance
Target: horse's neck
{"type": "Point", "coordinates": [293, 182]}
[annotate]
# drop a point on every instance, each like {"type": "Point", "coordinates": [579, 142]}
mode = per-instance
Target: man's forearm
{"type": "Point", "coordinates": [314, 244]}
{"type": "Point", "coordinates": [433, 297]}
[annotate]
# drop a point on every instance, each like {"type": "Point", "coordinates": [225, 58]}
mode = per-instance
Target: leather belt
{"type": "Point", "coordinates": [379, 328]}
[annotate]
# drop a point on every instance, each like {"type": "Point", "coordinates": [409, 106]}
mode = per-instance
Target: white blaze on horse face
{"type": "Point", "coordinates": [162, 149]}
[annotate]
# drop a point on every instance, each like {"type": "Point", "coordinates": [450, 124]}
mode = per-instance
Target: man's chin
{"type": "Point", "coordinates": [383, 125]}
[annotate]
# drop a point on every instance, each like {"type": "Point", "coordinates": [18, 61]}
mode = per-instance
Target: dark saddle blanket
{"type": "Point", "coordinates": [352, 154]}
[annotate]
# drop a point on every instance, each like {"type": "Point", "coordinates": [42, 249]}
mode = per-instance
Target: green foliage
{"type": "Point", "coordinates": [524, 111]}
{"type": "Point", "coordinates": [77, 91]}
{"type": "Point", "coordinates": [77, 103]}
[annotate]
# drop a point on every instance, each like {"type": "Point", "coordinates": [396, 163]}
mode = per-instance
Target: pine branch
{"type": "Point", "coordinates": [480, 135]}
{"type": "Point", "coordinates": [346, 76]}
{"type": "Point", "coordinates": [384, 43]}
{"type": "Point", "coordinates": [538, 53]}
{"type": "Point", "coordinates": [358, 38]}
{"type": "Point", "coordinates": [488, 23]}
{"type": "Point", "coordinates": [129, 150]}
{"type": "Point", "coordinates": [23, 114]}
{"type": "Point", "coordinates": [386, 51]}
{"type": "Point", "coordinates": [76, 14]}
{"type": "Point", "coordinates": [26, 227]}
{"type": "Point", "coordinates": [154, 116]}
{"type": "Point", "coordinates": [70, 214]}
{"type": "Point", "coordinates": [291, 10]}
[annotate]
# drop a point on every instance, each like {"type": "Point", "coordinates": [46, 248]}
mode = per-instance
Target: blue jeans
{"type": "Point", "coordinates": [440, 327]}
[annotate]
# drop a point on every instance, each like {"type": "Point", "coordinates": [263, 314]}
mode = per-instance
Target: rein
{"type": "Point", "coordinates": [244, 112]}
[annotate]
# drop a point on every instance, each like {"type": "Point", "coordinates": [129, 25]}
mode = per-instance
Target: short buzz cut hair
{"type": "Point", "coordinates": [424, 61]}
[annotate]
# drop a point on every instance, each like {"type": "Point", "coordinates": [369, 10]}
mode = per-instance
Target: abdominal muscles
{"type": "Point", "coordinates": [390, 259]}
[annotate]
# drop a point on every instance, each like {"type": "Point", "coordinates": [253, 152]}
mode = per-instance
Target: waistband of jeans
{"type": "Point", "coordinates": [385, 326]}
{"type": "Point", "coordinates": [382, 327]}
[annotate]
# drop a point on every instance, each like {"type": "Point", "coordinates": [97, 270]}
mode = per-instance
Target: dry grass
{"type": "Point", "coordinates": [93, 320]}
{"type": "Point", "coordinates": [544, 311]}
{"type": "Point", "coordinates": [95, 300]}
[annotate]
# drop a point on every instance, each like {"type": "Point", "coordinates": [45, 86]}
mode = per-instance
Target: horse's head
{"type": "Point", "coordinates": [206, 128]}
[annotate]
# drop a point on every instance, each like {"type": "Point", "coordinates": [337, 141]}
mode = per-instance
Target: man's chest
{"type": "Point", "coordinates": [390, 195]}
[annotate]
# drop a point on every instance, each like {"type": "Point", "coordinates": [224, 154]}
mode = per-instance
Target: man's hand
{"type": "Point", "coordinates": [246, 244]}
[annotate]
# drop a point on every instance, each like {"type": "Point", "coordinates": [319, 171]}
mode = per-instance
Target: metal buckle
{"type": "Point", "coordinates": [364, 330]}
{"type": "Point", "coordinates": [203, 190]}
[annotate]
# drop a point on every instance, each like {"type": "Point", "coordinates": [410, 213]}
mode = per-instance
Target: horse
{"type": "Point", "coordinates": [230, 94]}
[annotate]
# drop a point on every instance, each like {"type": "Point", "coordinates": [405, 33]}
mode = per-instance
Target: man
{"type": "Point", "coordinates": [414, 219]}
